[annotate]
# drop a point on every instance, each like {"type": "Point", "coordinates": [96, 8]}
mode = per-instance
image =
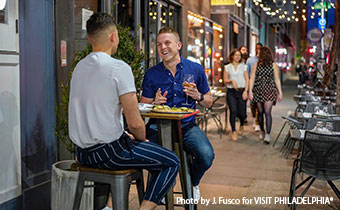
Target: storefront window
{"type": "Point", "coordinates": [3, 11]}
{"type": "Point", "coordinates": [164, 16]}
{"type": "Point", "coordinates": [173, 17]}
{"type": "Point", "coordinates": [218, 55]}
{"type": "Point", "coordinates": [205, 46]}
{"type": "Point", "coordinates": [208, 52]}
{"type": "Point", "coordinates": [195, 38]}
{"type": "Point", "coordinates": [153, 30]}
{"type": "Point", "coordinates": [160, 15]}
{"type": "Point", "coordinates": [125, 13]}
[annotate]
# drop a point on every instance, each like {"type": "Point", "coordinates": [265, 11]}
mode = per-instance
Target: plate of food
{"type": "Point", "coordinates": [172, 110]}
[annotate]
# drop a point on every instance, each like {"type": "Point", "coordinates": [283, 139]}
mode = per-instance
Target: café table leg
{"type": "Point", "coordinates": [164, 129]}
{"type": "Point", "coordinates": [186, 184]}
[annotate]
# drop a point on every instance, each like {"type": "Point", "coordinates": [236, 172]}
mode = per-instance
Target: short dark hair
{"type": "Point", "coordinates": [259, 43]}
{"type": "Point", "coordinates": [99, 22]}
{"type": "Point", "coordinates": [170, 31]}
{"type": "Point", "coordinates": [242, 47]}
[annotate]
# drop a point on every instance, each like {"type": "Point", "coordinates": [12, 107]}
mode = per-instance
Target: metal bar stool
{"type": "Point", "coordinates": [119, 181]}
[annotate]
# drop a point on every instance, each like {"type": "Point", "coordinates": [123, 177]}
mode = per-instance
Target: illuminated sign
{"type": "Point", "coordinates": [222, 2]}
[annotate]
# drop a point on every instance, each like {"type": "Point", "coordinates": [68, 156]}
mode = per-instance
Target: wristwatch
{"type": "Point", "coordinates": [202, 98]}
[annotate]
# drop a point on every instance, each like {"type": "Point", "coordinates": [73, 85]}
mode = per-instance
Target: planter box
{"type": "Point", "coordinates": [63, 188]}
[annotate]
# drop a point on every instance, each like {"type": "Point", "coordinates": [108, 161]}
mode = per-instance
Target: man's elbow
{"type": "Point", "coordinates": [136, 125]}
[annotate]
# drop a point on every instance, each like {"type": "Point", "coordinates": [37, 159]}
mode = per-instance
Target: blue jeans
{"type": "Point", "coordinates": [195, 142]}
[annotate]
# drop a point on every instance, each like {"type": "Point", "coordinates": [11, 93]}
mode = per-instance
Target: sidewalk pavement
{"type": "Point", "coordinates": [248, 169]}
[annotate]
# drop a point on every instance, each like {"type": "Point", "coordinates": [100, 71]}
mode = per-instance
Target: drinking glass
{"type": "Point", "coordinates": [188, 78]}
{"type": "Point", "coordinates": [318, 126]}
{"type": "Point", "coordinates": [325, 109]}
{"type": "Point", "coordinates": [329, 126]}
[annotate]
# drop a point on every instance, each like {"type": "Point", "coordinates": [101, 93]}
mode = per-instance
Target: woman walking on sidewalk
{"type": "Point", "coordinates": [236, 78]}
{"type": "Point", "coordinates": [265, 89]}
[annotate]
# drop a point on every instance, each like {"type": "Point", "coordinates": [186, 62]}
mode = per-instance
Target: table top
{"type": "Point", "coordinates": [168, 116]}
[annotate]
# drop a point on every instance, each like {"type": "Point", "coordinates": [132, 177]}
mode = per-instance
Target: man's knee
{"type": "Point", "coordinates": [206, 156]}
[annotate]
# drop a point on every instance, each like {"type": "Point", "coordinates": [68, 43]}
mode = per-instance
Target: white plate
{"type": "Point", "coordinates": [143, 108]}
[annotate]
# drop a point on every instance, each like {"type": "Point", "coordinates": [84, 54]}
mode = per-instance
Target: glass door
{"type": "Point", "coordinates": [10, 165]}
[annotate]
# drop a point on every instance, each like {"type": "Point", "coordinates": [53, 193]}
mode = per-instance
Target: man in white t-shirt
{"type": "Point", "coordinates": [101, 88]}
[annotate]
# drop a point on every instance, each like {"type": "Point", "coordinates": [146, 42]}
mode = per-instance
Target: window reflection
{"type": "Point", "coordinates": [164, 16]}
{"type": "Point", "coordinates": [3, 11]}
{"type": "Point", "coordinates": [195, 38]}
{"type": "Point", "coordinates": [125, 13]}
{"type": "Point", "coordinates": [205, 46]}
{"type": "Point", "coordinates": [208, 52]}
{"type": "Point", "coordinates": [217, 55]}
{"type": "Point", "coordinates": [153, 20]}
{"type": "Point", "coordinates": [173, 17]}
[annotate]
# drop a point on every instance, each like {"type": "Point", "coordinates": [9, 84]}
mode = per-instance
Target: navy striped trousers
{"type": "Point", "coordinates": [125, 153]}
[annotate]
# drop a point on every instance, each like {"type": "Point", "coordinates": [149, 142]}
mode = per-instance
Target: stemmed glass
{"type": "Point", "coordinates": [188, 78]}
{"type": "Point", "coordinates": [329, 126]}
{"type": "Point", "coordinates": [325, 109]}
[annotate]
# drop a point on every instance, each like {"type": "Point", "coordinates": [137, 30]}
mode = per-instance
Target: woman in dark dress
{"type": "Point", "coordinates": [265, 89]}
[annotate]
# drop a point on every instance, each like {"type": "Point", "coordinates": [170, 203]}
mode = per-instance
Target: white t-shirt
{"type": "Point", "coordinates": [237, 75]}
{"type": "Point", "coordinates": [95, 112]}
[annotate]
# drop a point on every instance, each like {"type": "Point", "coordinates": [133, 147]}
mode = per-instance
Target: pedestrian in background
{"type": "Point", "coordinates": [244, 56]}
{"type": "Point", "coordinates": [253, 107]}
{"type": "Point", "coordinates": [236, 77]}
{"type": "Point", "coordinates": [244, 53]}
{"type": "Point", "coordinates": [265, 89]}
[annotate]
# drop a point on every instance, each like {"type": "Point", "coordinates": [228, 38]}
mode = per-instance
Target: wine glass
{"type": "Point", "coordinates": [325, 109]}
{"type": "Point", "coordinates": [329, 126]}
{"type": "Point", "coordinates": [188, 78]}
{"type": "Point", "coordinates": [318, 126]}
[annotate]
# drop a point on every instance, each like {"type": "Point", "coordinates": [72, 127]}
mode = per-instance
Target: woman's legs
{"type": "Point", "coordinates": [260, 108]}
{"type": "Point", "coordinates": [232, 104]}
{"type": "Point", "coordinates": [265, 109]}
{"type": "Point", "coordinates": [241, 108]}
{"type": "Point", "coordinates": [268, 105]}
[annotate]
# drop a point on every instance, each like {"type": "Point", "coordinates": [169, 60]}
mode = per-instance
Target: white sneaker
{"type": "Point", "coordinates": [257, 128]}
{"type": "Point", "coordinates": [107, 208]}
{"type": "Point", "coordinates": [267, 139]}
{"type": "Point", "coordinates": [196, 193]}
{"type": "Point", "coordinates": [261, 136]}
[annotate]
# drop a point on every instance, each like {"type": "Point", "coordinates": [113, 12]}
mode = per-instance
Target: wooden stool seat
{"type": "Point", "coordinates": [78, 167]}
{"type": "Point", "coordinates": [118, 180]}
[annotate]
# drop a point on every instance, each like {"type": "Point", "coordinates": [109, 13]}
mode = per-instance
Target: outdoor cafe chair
{"type": "Point", "coordinates": [310, 124]}
{"type": "Point", "coordinates": [320, 159]}
{"type": "Point", "coordinates": [293, 122]}
{"type": "Point", "coordinates": [310, 108]}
